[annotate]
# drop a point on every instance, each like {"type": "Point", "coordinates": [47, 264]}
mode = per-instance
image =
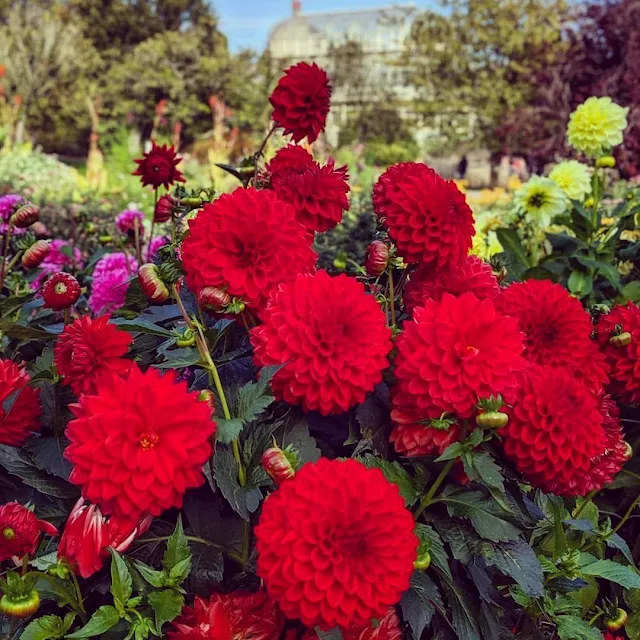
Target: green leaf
{"type": "Point", "coordinates": [394, 473]}
{"type": "Point", "coordinates": [429, 536]}
{"type": "Point", "coordinates": [483, 513]}
{"type": "Point", "coordinates": [23, 333]}
{"type": "Point", "coordinates": [228, 430]}
{"type": "Point", "coordinates": [253, 398]}
{"type": "Point", "coordinates": [560, 538]}
{"type": "Point", "coordinates": [463, 617]}
{"type": "Point", "coordinates": [166, 606]}
{"type": "Point", "coordinates": [47, 455]}
{"type": "Point", "coordinates": [517, 560]}
{"type": "Point", "coordinates": [179, 358]}
{"type": "Point", "coordinates": [624, 576]}
{"type": "Point", "coordinates": [152, 576]}
{"type": "Point", "coordinates": [180, 571]}
{"type": "Point", "coordinates": [511, 243]}
{"type": "Point", "coordinates": [121, 582]}
{"type": "Point", "coordinates": [632, 599]}
{"type": "Point", "coordinates": [419, 603]}
{"type": "Point", "coordinates": [480, 467]}
{"type": "Point", "coordinates": [574, 628]}
{"type": "Point", "coordinates": [48, 628]}
{"type": "Point", "coordinates": [454, 450]}
{"type": "Point", "coordinates": [631, 291]}
{"type": "Point", "coordinates": [580, 283]}
{"type": "Point", "coordinates": [102, 620]}
{"type": "Point", "coordinates": [633, 626]}
{"type": "Point", "coordinates": [177, 547]}
{"type": "Point", "coordinates": [139, 325]}
{"type": "Point", "coordinates": [243, 500]}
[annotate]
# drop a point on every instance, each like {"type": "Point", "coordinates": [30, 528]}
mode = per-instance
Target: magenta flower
{"type": "Point", "coordinates": [126, 221]}
{"type": "Point", "coordinates": [111, 277]}
{"type": "Point", "coordinates": [8, 205]}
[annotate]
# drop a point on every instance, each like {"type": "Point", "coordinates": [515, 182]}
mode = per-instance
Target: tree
{"type": "Point", "coordinates": [474, 64]}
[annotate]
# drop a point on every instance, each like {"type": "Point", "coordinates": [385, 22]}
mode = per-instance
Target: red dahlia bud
{"type": "Point", "coordinates": [25, 216]}
{"type": "Point", "coordinates": [35, 254]}
{"type": "Point", "coordinates": [377, 258]}
{"type": "Point", "coordinates": [213, 299]}
{"type": "Point", "coordinates": [279, 464]}
{"type": "Point", "coordinates": [164, 208]}
{"type": "Point", "coordinates": [151, 283]}
{"type": "Point", "coordinates": [206, 395]}
{"type": "Point", "coordinates": [60, 291]}
{"type": "Point", "coordinates": [20, 606]}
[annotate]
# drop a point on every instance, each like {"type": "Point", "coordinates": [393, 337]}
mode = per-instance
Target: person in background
{"type": "Point", "coordinates": [462, 167]}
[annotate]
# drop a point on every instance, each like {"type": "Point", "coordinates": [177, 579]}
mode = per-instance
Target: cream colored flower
{"type": "Point", "coordinates": [573, 178]}
{"type": "Point", "coordinates": [596, 126]}
{"type": "Point", "coordinates": [541, 199]}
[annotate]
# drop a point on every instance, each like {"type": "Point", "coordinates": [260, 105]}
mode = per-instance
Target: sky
{"type": "Point", "coordinates": [247, 24]}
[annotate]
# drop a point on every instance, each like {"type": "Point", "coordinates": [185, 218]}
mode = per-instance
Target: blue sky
{"type": "Point", "coordinates": [247, 24]}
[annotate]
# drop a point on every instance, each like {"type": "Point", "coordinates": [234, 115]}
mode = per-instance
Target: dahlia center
{"type": "Point", "coordinates": [149, 440]}
{"type": "Point", "coordinates": [8, 533]}
{"type": "Point", "coordinates": [467, 351]}
{"type": "Point", "coordinates": [60, 288]}
{"type": "Point", "coordinates": [346, 544]}
{"type": "Point", "coordinates": [537, 200]}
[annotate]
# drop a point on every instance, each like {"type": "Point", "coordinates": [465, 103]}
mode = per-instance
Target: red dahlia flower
{"type": "Point", "coordinates": [88, 349]}
{"type": "Point", "coordinates": [139, 444]}
{"type": "Point", "coordinates": [290, 160]}
{"type": "Point", "coordinates": [471, 274]}
{"type": "Point", "coordinates": [20, 531]}
{"type": "Point", "coordinates": [22, 417]}
{"type": "Point", "coordinates": [332, 338]}
{"type": "Point", "coordinates": [555, 433]}
{"type": "Point", "coordinates": [60, 291]}
{"type": "Point", "coordinates": [557, 329]}
{"type": "Point", "coordinates": [414, 440]}
{"type": "Point", "coordinates": [237, 616]}
{"type": "Point", "coordinates": [336, 544]}
{"type": "Point", "coordinates": [301, 101]}
{"type": "Point", "coordinates": [159, 167]}
{"type": "Point", "coordinates": [318, 194]}
{"type": "Point", "coordinates": [246, 243]}
{"type": "Point", "coordinates": [455, 352]}
{"type": "Point", "coordinates": [427, 216]}
{"type": "Point", "coordinates": [164, 208]}
{"type": "Point", "coordinates": [623, 360]}
{"type": "Point", "coordinates": [387, 628]}
{"type": "Point", "coordinates": [88, 535]}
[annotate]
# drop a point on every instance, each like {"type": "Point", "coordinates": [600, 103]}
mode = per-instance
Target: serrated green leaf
{"type": "Point", "coordinates": [396, 474]}
{"type": "Point", "coordinates": [152, 576]}
{"type": "Point", "coordinates": [512, 244]}
{"type": "Point", "coordinates": [48, 628]}
{"type": "Point", "coordinates": [574, 628]}
{"type": "Point", "coordinates": [580, 283]}
{"type": "Point", "coordinates": [517, 560]}
{"type": "Point", "coordinates": [556, 508]}
{"type": "Point", "coordinates": [180, 571]}
{"type": "Point", "coordinates": [419, 603]}
{"type": "Point", "coordinates": [102, 620]}
{"type": "Point", "coordinates": [454, 450]}
{"type": "Point", "coordinates": [243, 500]}
{"type": "Point", "coordinates": [177, 547]}
{"type": "Point", "coordinates": [179, 358]}
{"type": "Point", "coordinates": [624, 576]}
{"type": "Point", "coordinates": [631, 291]}
{"type": "Point", "coordinates": [480, 467]}
{"type": "Point", "coordinates": [463, 616]}
{"type": "Point", "coordinates": [429, 536]}
{"type": "Point", "coordinates": [632, 599]}
{"type": "Point", "coordinates": [139, 325]}
{"type": "Point", "coordinates": [121, 581]}
{"type": "Point", "coordinates": [23, 333]}
{"type": "Point", "coordinates": [633, 626]}
{"type": "Point", "coordinates": [166, 606]}
{"type": "Point", "coordinates": [228, 430]}
{"type": "Point", "coordinates": [253, 398]}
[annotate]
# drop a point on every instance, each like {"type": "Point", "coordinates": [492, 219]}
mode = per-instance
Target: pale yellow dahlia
{"type": "Point", "coordinates": [573, 178]}
{"type": "Point", "coordinates": [596, 125]}
{"type": "Point", "coordinates": [541, 199]}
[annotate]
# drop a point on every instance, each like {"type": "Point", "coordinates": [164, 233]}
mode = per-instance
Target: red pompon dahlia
{"type": "Point", "coordinates": [427, 216]}
{"type": "Point", "coordinates": [318, 194]}
{"type": "Point", "coordinates": [159, 167]}
{"type": "Point", "coordinates": [336, 544]}
{"type": "Point", "coordinates": [332, 338]}
{"type": "Point", "coordinates": [60, 291]}
{"type": "Point", "coordinates": [605, 467]}
{"type": "Point", "coordinates": [623, 359]}
{"type": "Point", "coordinates": [164, 208]}
{"type": "Point", "coordinates": [88, 349]}
{"type": "Point", "coordinates": [139, 444]}
{"type": "Point", "coordinates": [246, 243]}
{"type": "Point", "coordinates": [455, 352]}
{"type": "Point", "coordinates": [290, 160]}
{"type": "Point", "coordinates": [22, 417]}
{"type": "Point", "coordinates": [387, 628]}
{"type": "Point", "coordinates": [87, 536]}
{"type": "Point", "coordinates": [470, 274]}
{"type": "Point", "coordinates": [555, 431]}
{"type": "Point", "coordinates": [20, 531]}
{"type": "Point", "coordinates": [238, 616]}
{"type": "Point", "coordinates": [414, 440]}
{"type": "Point", "coordinates": [301, 101]}
{"type": "Point", "coordinates": [557, 329]}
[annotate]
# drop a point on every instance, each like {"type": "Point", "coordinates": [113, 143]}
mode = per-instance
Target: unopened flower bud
{"type": "Point", "coordinates": [35, 254]}
{"type": "Point", "coordinates": [60, 291]}
{"type": "Point", "coordinates": [187, 339]}
{"type": "Point", "coordinates": [25, 216]}
{"type": "Point", "coordinates": [206, 395]}
{"type": "Point", "coordinates": [607, 162]}
{"type": "Point", "coordinates": [628, 450]}
{"type": "Point", "coordinates": [20, 606]}
{"type": "Point", "coordinates": [279, 464]}
{"type": "Point", "coordinates": [377, 258]}
{"type": "Point", "coordinates": [105, 239]}
{"type": "Point", "coordinates": [164, 208]}
{"type": "Point", "coordinates": [621, 340]}
{"type": "Point", "coordinates": [589, 202]}
{"type": "Point", "coordinates": [213, 299]}
{"type": "Point", "coordinates": [152, 285]}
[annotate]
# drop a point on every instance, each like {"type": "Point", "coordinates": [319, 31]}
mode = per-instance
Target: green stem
{"type": "Point", "coordinates": [631, 473]}
{"type": "Point", "coordinates": [5, 253]}
{"type": "Point", "coordinates": [13, 261]}
{"type": "Point", "coordinates": [598, 615]}
{"type": "Point", "coordinates": [153, 223]}
{"type": "Point", "coordinates": [258, 153]}
{"type": "Point", "coordinates": [428, 498]}
{"type": "Point", "coordinates": [392, 297]}
{"type": "Point", "coordinates": [588, 498]}
{"type": "Point", "coordinates": [625, 517]}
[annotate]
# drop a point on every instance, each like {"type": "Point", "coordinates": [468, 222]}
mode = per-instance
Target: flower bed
{"type": "Point", "coordinates": [205, 435]}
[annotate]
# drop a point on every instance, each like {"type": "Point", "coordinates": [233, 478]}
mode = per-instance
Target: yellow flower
{"type": "Point", "coordinates": [573, 178]}
{"type": "Point", "coordinates": [486, 245]}
{"type": "Point", "coordinates": [607, 222]}
{"type": "Point", "coordinates": [541, 199]}
{"type": "Point", "coordinates": [514, 183]}
{"type": "Point", "coordinates": [625, 268]}
{"type": "Point", "coordinates": [630, 235]}
{"type": "Point", "coordinates": [596, 126]}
